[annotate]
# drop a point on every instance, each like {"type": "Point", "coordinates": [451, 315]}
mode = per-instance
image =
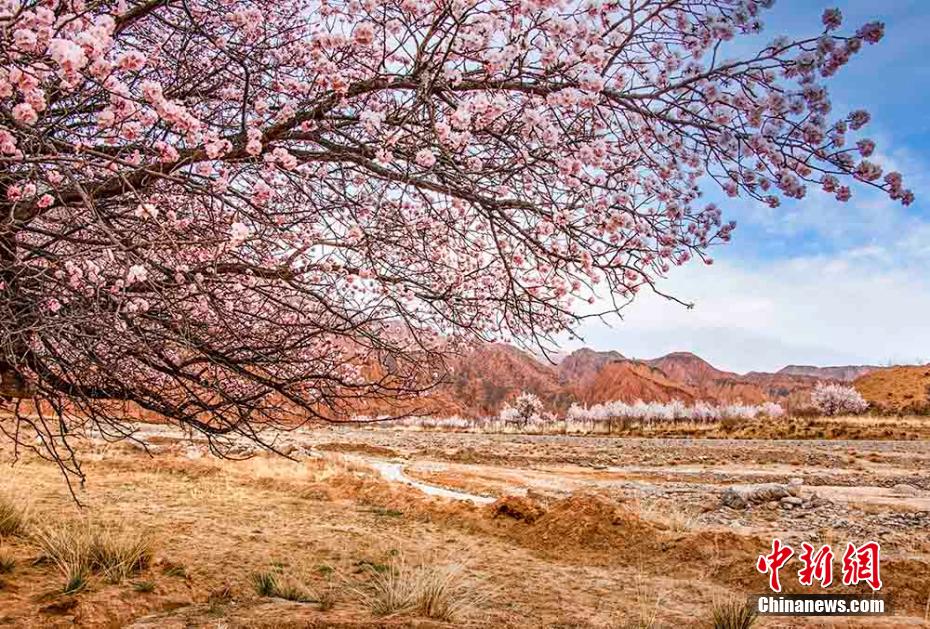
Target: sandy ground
{"type": "Point", "coordinates": [554, 531]}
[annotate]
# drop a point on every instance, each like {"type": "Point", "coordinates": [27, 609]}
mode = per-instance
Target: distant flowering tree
{"type": "Point", "coordinates": [239, 212]}
{"type": "Point", "coordinates": [526, 409]}
{"type": "Point", "coordinates": [836, 399]}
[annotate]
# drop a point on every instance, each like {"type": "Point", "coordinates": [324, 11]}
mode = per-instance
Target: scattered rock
{"type": "Point", "coordinates": [903, 489]}
{"type": "Point", "coordinates": [742, 496]}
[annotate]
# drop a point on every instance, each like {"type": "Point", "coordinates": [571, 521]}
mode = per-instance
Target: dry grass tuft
{"type": "Point", "coordinates": [438, 592]}
{"type": "Point", "coordinates": [119, 553]}
{"type": "Point", "coordinates": [69, 548]}
{"type": "Point", "coordinates": [648, 604]}
{"type": "Point", "coordinates": [275, 584]}
{"type": "Point", "coordinates": [668, 516]}
{"type": "Point", "coordinates": [80, 548]}
{"type": "Point", "coordinates": [733, 614]}
{"type": "Point", "coordinates": [7, 562]}
{"type": "Point", "coordinates": [14, 516]}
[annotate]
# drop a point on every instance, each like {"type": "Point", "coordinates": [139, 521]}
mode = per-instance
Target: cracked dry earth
{"type": "Point", "coordinates": [560, 531]}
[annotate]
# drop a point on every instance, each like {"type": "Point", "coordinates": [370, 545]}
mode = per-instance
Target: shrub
{"type": "Point", "coordinates": [836, 399]}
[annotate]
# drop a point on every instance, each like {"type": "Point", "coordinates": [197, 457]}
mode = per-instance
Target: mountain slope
{"type": "Point", "coordinates": [583, 364]}
{"type": "Point", "coordinates": [844, 373]}
{"type": "Point", "coordinates": [897, 389]}
{"type": "Point", "coordinates": [492, 374]}
{"type": "Point", "coordinates": [630, 381]}
{"type": "Point", "coordinates": [689, 368]}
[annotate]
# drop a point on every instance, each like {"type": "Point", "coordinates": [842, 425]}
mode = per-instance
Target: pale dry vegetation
{"type": "Point", "coordinates": [733, 614]}
{"type": "Point", "coordinates": [79, 548]}
{"type": "Point", "coordinates": [430, 590]}
{"type": "Point", "coordinates": [667, 515]}
{"type": "Point", "coordinates": [14, 515]}
{"type": "Point", "coordinates": [274, 583]}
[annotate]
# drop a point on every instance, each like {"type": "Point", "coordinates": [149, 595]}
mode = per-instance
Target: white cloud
{"type": "Point", "coordinates": [852, 308]}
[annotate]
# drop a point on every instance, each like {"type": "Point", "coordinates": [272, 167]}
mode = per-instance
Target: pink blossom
{"type": "Point", "coordinates": [217, 148]}
{"type": "Point", "coordinates": [166, 152]}
{"type": "Point", "coordinates": [284, 158]}
{"type": "Point", "coordinates": [872, 32]}
{"type": "Point", "coordinates": [254, 145]}
{"type": "Point", "coordinates": [867, 171]}
{"type": "Point", "coordinates": [25, 114]}
{"type": "Point", "coordinates": [67, 54]}
{"type": "Point", "coordinates": [238, 233]}
{"type": "Point", "coordinates": [461, 119]}
{"type": "Point", "coordinates": [425, 158]}
{"type": "Point", "coordinates": [859, 119]}
{"type": "Point", "coordinates": [106, 118]}
{"type": "Point", "coordinates": [866, 147]}
{"type": "Point", "coordinates": [132, 61]}
{"type": "Point", "coordinates": [147, 210]}
{"type": "Point", "coordinates": [24, 39]}
{"type": "Point", "coordinates": [137, 273]}
{"type": "Point", "coordinates": [364, 34]}
{"type": "Point", "coordinates": [261, 193]}
{"type": "Point", "coordinates": [46, 200]}
{"type": "Point", "coordinates": [832, 19]}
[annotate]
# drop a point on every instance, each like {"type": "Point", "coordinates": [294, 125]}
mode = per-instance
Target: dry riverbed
{"type": "Point", "coordinates": [538, 530]}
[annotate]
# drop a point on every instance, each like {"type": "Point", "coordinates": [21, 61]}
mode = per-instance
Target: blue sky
{"type": "Point", "coordinates": [817, 282]}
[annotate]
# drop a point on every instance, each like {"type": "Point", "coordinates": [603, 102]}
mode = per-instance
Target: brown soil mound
{"type": "Point", "coordinates": [590, 522]}
{"type": "Point", "coordinates": [897, 389]}
{"type": "Point", "coordinates": [517, 508]}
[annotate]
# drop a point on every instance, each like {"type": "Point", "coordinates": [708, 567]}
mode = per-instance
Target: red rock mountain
{"type": "Point", "coordinates": [481, 381]}
{"type": "Point", "coordinates": [630, 381]}
{"type": "Point", "coordinates": [584, 364]}
{"type": "Point", "coordinates": [689, 368]}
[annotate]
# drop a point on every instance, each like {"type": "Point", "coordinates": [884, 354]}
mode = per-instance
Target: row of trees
{"type": "Point", "coordinates": [827, 399]}
{"type": "Point", "coordinates": [528, 412]}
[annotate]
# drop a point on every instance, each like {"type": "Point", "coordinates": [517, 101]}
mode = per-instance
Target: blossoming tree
{"type": "Point", "coordinates": [234, 212]}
